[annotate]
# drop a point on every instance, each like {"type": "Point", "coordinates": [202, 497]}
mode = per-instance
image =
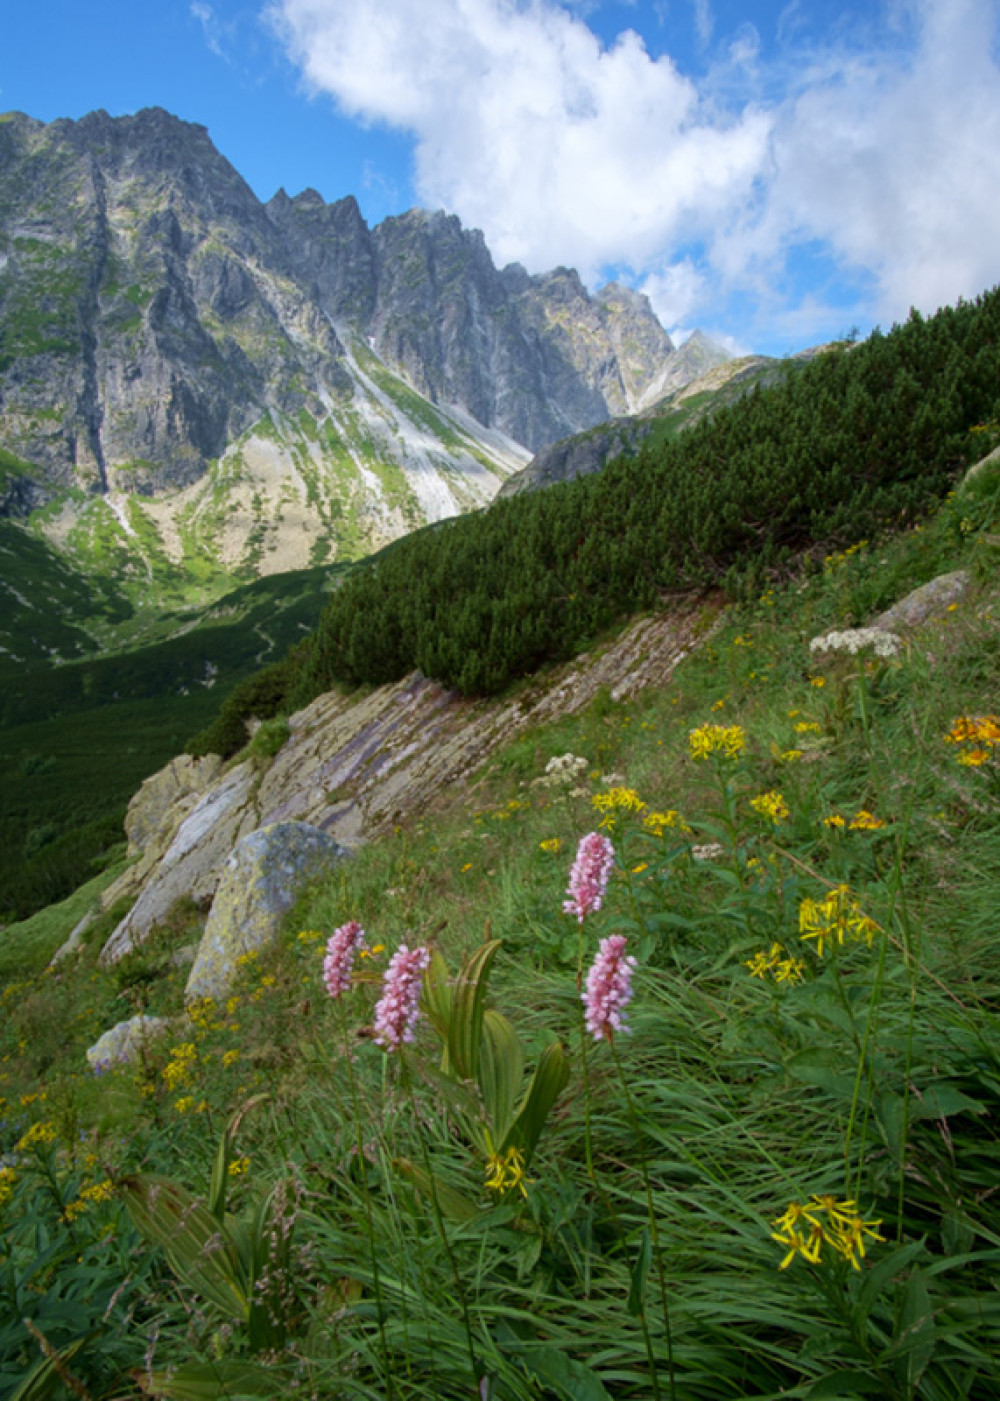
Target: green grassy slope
{"type": "Point", "coordinates": [630, 1252]}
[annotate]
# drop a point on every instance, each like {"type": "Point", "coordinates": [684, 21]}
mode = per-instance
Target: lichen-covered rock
{"type": "Point", "coordinates": [124, 1043]}
{"type": "Point", "coordinates": [262, 879]}
{"type": "Point", "coordinates": [929, 601]}
{"type": "Point", "coordinates": [154, 806]}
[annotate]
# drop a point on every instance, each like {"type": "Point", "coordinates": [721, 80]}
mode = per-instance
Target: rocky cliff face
{"type": "Point", "coordinates": [152, 309]}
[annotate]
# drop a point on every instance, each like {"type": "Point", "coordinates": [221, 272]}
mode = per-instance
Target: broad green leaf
{"type": "Point", "coordinates": [917, 1335]}
{"type": "Point", "coordinates": [573, 1380]}
{"type": "Point", "coordinates": [468, 998]}
{"type": "Point", "coordinates": [198, 1249]}
{"type": "Point", "coordinates": [883, 1271]}
{"type": "Point", "coordinates": [640, 1273]}
{"type": "Point", "coordinates": [455, 1206]}
{"type": "Point", "coordinates": [501, 1069]}
{"type": "Point", "coordinates": [436, 994]}
{"type": "Point", "coordinates": [547, 1084]}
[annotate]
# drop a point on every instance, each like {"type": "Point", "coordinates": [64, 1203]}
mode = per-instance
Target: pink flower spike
{"type": "Point", "coordinates": [341, 950]}
{"type": "Point", "coordinates": [398, 1008]}
{"type": "Point", "coordinates": [588, 879]}
{"type": "Point", "coordinates": [609, 988]}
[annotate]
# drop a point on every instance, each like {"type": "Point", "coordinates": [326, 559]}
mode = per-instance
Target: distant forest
{"type": "Point", "coordinates": [861, 439]}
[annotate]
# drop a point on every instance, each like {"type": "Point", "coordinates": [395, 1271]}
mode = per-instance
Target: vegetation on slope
{"type": "Point", "coordinates": [630, 1251]}
{"type": "Point", "coordinates": [78, 740]}
{"type": "Point", "coordinates": [858, 441]}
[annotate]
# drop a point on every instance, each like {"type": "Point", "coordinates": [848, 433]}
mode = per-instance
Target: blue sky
{"type": "Point", "coordinates": [775, 171]}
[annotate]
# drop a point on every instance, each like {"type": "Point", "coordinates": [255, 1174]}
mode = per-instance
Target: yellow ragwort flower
{"type": "Point", "coordinates": [864, 821]}
{"type": "Point", "coordinates": [659, 822]}
{"type": "Point", "coordinates": [505, 1173]}
{"type": "Point", "coordinates": [805, 1228]}
{"type": "Point", "coordinates": [616, 801]}
{"type": "Point", "coordinates": [837, 916]}
{"type": "Point", "coordinates": [834, 820]}
{"type": "Point", "coordinates": [727, 741]}
{"type": "Point", "coordinates": [38, 1136]}
{"type": "Point", "coordinates": [770, 805]}
{"type": "Point", "coordinates": [551, 845]}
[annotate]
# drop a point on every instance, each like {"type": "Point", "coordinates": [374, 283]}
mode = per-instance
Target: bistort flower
{"type": "Point", "coordinates": [398, 1008]}
{"type": "Point", "coordinates": [341, 950]}
{"type": "Point", "coordinates": [609, 988]}
{"type": "Point", "coordinates": [588, 879]}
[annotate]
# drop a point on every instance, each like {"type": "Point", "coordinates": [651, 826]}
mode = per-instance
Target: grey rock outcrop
{"type": "Point", "coordinates": [262, 878]}
{"type": "Point", "coordinates": [928, 602]}
{"type": "Point", "coordinates": [355, 765]}
{"type": "Point", "coordinates": [123, 1044]}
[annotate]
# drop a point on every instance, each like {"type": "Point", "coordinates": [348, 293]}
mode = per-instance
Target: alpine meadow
{"type": "Point", "coordinates": [500, 829]}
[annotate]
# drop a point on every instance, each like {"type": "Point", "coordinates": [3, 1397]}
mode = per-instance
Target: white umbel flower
{"type": "Point", "coordinates": [855, 640]}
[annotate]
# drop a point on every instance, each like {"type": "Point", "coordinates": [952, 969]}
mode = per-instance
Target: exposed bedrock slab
{"type": "Point", "coordinates": [355, 765]}
{"type": "Point", "coordinates": [190, 864]}
{"type": "Point", "coordinates": [261, 880]}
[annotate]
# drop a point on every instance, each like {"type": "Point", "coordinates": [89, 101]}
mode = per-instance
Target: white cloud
{"type": "Point", "coordinates": [559, 149]}
{"type": "Point", "coordinates": [703, 21]}
{"type": "Point", "coordinates": [563, 150]}
{"type": "Point", "coordinates": [210, 27]}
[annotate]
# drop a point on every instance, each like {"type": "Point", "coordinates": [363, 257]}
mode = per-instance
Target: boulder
{"type": "Point", "coordinates": [190, 866]}
{"type": "Point", "coordinates": [926, 603]}
{"type": "Point", "coordinates": [262, 878]}
{"type": "Point", "coordinates": [123, 1044]}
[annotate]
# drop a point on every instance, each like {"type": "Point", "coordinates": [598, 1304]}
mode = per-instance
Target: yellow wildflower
{"type": "Point", "coordinates": [238, 1166]}
{"type": "Point", "coordinates": [230, 1058]}
{"type": "Point", "coordinates": [817, 681]}
{"type": "Point", "coordinates": [805, 1228]}
{"type": "Point", "coordinates": [8, 1178]}
{"type": "Point", "coordinates": [616, 801]}
{"type": "Point", "coordinates": [38, 1136]}
{"type": "Point", "coordinates": [184, 1105]}
{"type": "Point", "coordinates": [466, 867]}
{"type": "Point", "coordinates": [505, 1173]}
{"type": "Point", "coordinates": [374, 951]}
{"type": "Point", "coordinates": [90, 1196]}
{"type": "Point", "coordinates": [642, 866]}
{"type": "Point", "coordinates": [718, 705]}
{"type": "Point", "coordinates": [180, 1065]}
{"type": "Point", "coordinates": [864, 821]}
{"type": "Point", "coordinates": [309, 936]}
{"type": "Point", "coordinates": [834, 820]}
{"type": "Point", "coordinates": [728, 741]}
{"type": "Point", "coordinates": [551, 845]}
{"type": "Point", "coordinates": [808, 727]}
{"type": "Point", "coordinates": [770, 805]}
{"type": "Point", "coordinates": [659, 822]}
{"type": "Point", "coordinates": [834, 918]}
{"type": "Point", "coordinates": [789, 756]}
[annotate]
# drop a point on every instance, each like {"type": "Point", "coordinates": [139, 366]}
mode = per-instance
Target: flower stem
{"type": "Point", "coordinates": [362, 1169]}
{"type": "Point", "coordinates": [439, 1222]}
{"type": "Point", "coordinates": [653, 1228]}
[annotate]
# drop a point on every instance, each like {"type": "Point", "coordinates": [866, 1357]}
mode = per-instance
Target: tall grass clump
{"type": "Point", "coordinates": [725, 1127]}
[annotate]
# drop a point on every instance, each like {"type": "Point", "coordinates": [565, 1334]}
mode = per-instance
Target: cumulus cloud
{"type": "Point", "coordinates": [565, 150]}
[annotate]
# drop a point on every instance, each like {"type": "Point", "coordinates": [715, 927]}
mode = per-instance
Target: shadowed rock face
{"type": "Point", "coordinates": [152, 309]}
